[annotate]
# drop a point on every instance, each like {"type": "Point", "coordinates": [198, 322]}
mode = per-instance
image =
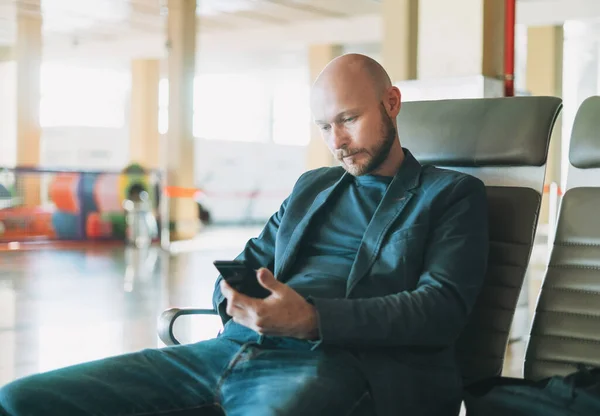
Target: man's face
{"type": "Point", "coordinates": [358, 132]}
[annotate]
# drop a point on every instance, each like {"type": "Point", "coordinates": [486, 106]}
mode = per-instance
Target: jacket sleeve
{"type": "Point", "coordinates": [435, 312]}
{"type": "Point", "coordinates": [258, 252]}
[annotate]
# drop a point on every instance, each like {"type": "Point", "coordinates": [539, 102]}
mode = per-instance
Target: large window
{"type": "Point", "coordinates": [265, 106]}
{"type": "Point", "coordinates": [80, 96]}
{"type": "Point", "coordinates": [232, 107]}
{"type": "Point", "coordinates": [291, 112]}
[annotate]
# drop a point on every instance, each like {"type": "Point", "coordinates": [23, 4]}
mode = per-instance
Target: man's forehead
{"type": "Point", "coordinates": [328, 101]}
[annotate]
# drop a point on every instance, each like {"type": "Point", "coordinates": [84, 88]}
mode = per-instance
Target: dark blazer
{"type": "Point", "coordinates": [417, 273]}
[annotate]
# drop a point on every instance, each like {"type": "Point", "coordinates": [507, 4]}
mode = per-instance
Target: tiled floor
{"type": "Point", "coordinates": [61, 307]}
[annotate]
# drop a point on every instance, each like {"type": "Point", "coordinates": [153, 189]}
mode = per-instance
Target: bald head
{"type": "Point", "coordinates": [355, 105]}
{"type": "Point", "coordinates": [355, 71]}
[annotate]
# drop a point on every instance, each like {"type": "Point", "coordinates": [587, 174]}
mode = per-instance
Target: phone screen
{"type": "Point", "coordinates": [241, 277]}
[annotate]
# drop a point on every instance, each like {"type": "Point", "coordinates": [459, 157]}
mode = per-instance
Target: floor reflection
{"type": "Point", "coordinates": [140, 265]}
{"type": "Point", "coordinates": [60, 307]}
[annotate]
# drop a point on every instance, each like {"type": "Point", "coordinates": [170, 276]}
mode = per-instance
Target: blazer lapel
{"type": "Point", "coordinates": [294, 242]}
{"type": "Point", "coordinates": [399, 193]}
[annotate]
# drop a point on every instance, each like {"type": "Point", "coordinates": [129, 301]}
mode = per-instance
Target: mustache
{"type": "Point", "coordinates": [340, 154]}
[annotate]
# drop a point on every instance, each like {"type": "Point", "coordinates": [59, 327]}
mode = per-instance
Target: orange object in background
{"type": "Point", "coordinates": [63, 192]}
{"type": "Point", "coordinates": [41, 224]}
{"type": "Point", "coordinates": [24, 223]}
{"type": "Point", "coordinates": [97, 227]}
{"type": "Point", "coordinates": [179, 192]}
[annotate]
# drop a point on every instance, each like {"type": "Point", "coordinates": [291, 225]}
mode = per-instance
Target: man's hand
{"type": "Point", "coordinates": [283, 313]}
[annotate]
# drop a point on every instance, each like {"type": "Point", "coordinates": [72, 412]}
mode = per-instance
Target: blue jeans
{"type": "Point", "coordinates": [238, 374]}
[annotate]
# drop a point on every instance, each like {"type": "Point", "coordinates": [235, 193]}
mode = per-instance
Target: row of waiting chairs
{"type": "Point", "coordinates": [505, 143]}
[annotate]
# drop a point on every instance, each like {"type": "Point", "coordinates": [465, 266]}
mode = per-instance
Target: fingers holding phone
{"type": "Point", "coordinates": [242, 278]}
{"type": "Point", "coordinates": [276, 310]}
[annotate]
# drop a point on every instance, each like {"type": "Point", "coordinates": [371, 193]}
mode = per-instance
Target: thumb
{"type": "Point", "coordinates": [267, 280]}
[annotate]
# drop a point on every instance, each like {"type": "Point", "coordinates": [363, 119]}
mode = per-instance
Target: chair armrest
{"type": "Point", "coordinates": [167, 320]}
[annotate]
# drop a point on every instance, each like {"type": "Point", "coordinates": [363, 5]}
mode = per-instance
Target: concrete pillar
{"type": "Point", "coordinates": [181, 43]}
{"type": "Point", "coordinates": [144, 146]}
{"type": "Point", "coordinates": [460, 38]}
{"type": "Point", "coordinates": [544, 60]}
{"type": "Point", "coordinates": [28, 54]}
{"type": "Point", "coordinates": [318, 154]}
{"type": "Point", "coordinates": [8, 113]}
{"type": "Point", "coordinates": [399, 45]}
{"type": "Point", "coordinates": [545, 77]}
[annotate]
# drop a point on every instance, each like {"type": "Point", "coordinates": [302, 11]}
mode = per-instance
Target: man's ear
{"type": "Point", "coordinates": [394, 101]}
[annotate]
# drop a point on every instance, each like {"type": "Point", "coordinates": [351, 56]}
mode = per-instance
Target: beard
{"type": "Point", "coordinates": [377, 154]}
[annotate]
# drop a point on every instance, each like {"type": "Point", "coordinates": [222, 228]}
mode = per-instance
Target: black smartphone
{"type": "Point", "coordinates": [241, 277]}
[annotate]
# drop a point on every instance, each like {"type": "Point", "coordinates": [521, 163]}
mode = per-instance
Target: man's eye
{"type": "Point", "coordinates": [325, 127]}
{"type": "Point", "coordinates": [349, 119]}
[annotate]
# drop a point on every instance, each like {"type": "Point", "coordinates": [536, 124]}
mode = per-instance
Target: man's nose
{"type": "Point", "coordinates": [339, 137]}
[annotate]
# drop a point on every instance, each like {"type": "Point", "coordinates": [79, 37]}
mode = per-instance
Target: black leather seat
{"type": "Point", "coordinates": [504, 142]}
{"type": "Point", "coordinates": [566, 327]}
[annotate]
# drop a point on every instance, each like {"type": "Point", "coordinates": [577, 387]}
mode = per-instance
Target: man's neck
{"type": "Point", "coordinates": [392, 163]}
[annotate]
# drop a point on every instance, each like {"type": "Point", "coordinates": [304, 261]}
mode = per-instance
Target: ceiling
{"type": "Point", "coordinates": [117, 29]}
{"type": "Point", "coordinates": [90, 20]}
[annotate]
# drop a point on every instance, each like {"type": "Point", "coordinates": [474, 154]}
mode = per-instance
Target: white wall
{"type": "Point", "coordinates": [228, 171]}
{"type": "Point", "coordinates": [85, 148]}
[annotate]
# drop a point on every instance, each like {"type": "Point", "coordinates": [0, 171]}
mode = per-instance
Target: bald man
{"type": "Point", "coordinates": [372, 266]}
